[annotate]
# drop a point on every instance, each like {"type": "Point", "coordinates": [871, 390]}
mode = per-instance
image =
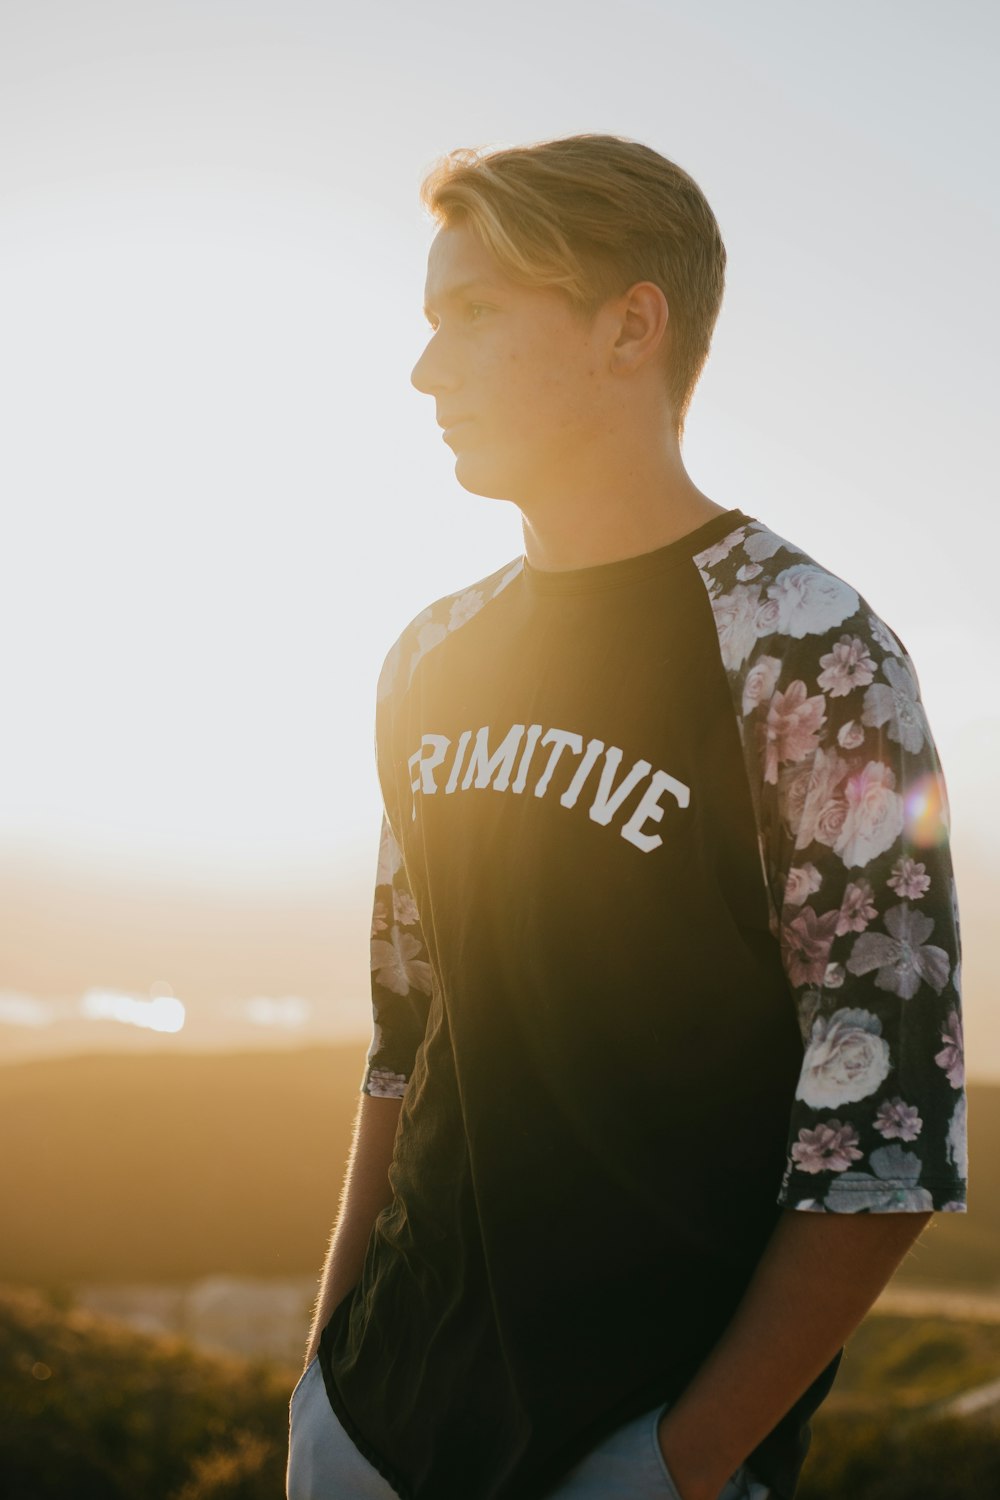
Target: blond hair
{"type": "Point", "coordinates": [593, 215]}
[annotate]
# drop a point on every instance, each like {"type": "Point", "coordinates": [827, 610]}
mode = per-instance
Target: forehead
{"type": "Point", "coordinates": [458, 258]}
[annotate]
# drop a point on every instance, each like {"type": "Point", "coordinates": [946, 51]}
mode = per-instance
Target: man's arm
{"type": "Point", "coordinates": [818, 1276]}
{"type": "Point", "coordinates": [366, 1192]}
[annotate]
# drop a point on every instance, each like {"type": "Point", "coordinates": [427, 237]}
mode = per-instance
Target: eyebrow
{"type": "Point", "coordinates": [455, 293]}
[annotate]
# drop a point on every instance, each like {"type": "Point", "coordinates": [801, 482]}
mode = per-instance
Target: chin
{"type": "Point", "coordinates": [482, 478]}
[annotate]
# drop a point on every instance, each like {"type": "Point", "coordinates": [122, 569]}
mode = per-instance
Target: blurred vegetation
{"type": "Point", "coordinates": [171, 1168]}
{"type": "Point", "coordinates": [92, 1411]}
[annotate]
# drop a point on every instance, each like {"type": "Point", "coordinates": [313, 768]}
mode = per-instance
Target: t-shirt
{"type": "Point", "coordinates": [664, 942]}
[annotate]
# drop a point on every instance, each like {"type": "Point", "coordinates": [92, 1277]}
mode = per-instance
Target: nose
{"type": "Point", "coordinates": [430, 374]}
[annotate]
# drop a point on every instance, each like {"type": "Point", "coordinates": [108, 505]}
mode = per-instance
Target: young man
{"type": "Point", "coordinates": [666, 1074]}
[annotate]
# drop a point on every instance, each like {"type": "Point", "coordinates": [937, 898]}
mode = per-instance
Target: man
{"type": "Point", "coordinates": [666, 1074]}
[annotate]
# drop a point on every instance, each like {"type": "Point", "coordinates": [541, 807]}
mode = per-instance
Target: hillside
{"type": "Point", "coordinates": [159, 1169]}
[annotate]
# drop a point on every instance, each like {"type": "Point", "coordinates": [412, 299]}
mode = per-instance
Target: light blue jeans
{"type": "Point", "coordinates": [323, 1463]}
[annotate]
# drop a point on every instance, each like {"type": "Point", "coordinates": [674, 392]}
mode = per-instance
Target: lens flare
{"type": "Point", "coordinates": [926, 815]}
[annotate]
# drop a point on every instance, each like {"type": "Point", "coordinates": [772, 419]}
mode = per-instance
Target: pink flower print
{"type": "Point", "coordinates": [734, 623]}
{"type": "Point", "coordinates": [898, 706]}
{"type": "Point", "coordinates": [909, 880]}
{"type": "Point", "coordinates": [952, 1055]}
{"type": "Point", "coordinates": [390, 856]}
{"type": "Point", "coordinates": [810, 799]}
{"type": "Point", "coordinates": [874, 817]}
{"type": "Point", "coordinates": [768, 617]}
{"type": "Point", "coordinates": [760, 682]}
{"type": "Point", "coordinates": [748, 571]}
{"type": "Point", "coordinates": [850, 735]}
{"type": "Point", "coordinates": [857, 908]}
{"type": "Point", "coordinates": [794, 721]}
{"type": "Point", "coordinates": [803, 882]}
{"type": "Point", "coordinates": [379, 923]}
{"type": "Point", "coordinates": [904, 959]}
{"type": "Point", "coordinates": [847, 666]}
{"type": "Point", "coordinates": [831, 1147]}
{"type": "Point", "coordinates": [805, 946]}
{"type": "Point", "coordinates": [384, 1084]}
{"type": "Point", "coordinates": [896, 1120]}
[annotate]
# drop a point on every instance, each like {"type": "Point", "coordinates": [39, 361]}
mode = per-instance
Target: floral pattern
{"type": "Point", "coordinates": [852, 810]}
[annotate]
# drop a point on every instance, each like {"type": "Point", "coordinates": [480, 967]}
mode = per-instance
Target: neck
{"type": "Point", "coordinates": [644, 502]}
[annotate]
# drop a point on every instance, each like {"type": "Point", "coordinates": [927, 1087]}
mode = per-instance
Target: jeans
{"type": "Point", "coordinates": [323, 1463]}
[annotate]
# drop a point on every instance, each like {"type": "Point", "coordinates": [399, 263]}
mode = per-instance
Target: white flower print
{"type": "Point", "coordinates": [748, 571]}
{"type": "Point", "coordinates": [891, 1185]}
{"type": "Point", "coordinates": [762, 544]}
{"type": "Point", "coordinates": [811, 601]}
{"type": "Point", "coordinates": [396, 966]}
{"type": "Point", "coordinates": [904, 959]}
{"type": "Point", "coordinates": [850, 735]}
{"type": "Point", "coordinates": [909, 879]}
{"type": "Point", "coordinates": [856, 908]}
{"type": "Point", "coordinates": [385, 1084]}
{"type": "Point", "coordinates": [404, 908]}
{"type": "Point", "coordinates": [831, 1147]}
{"type": "Point", "coordinates": [898, 706]}
{"type": "Point", "coordinates": [760, 682]}
{"type": "Point", "coordinates": [952, 1055]}
{"type": "Point", "coordinates": [803, 882]}
{"type": "Point", "coordinates": [846, 667]}
{"type": "Point", "coordinates": [883, 637]}
{"type": "Point", "coordinates": [734, 621]}
{"type": "Point", "coordinates": [719, 551]}
{"type": "Point", "coordinates": [387, 676]}
{"type": "Point", "coordinates": [464, 607]}
{"type": "Point", "coordinates": [873, 819]}
{"type": "Point", "coordinates": [834, 977]}
{"type": "Point", "coordinates": [847, 1059]}
{"type": "Point", "coordinates": [956, 1146]}
{"type": "Point", "coordinates": [428, 637]}
{"type": "Point", "coordinates": [379, 923]}
{"type": "Point", "coordinates": [390, 856]}
{"type": "Point", "coordinates": [897, 1119]}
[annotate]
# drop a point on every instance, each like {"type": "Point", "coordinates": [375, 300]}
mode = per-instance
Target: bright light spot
{"type": "Point", "coordinates": [289, 1011]}
{"type": "Point", "coordinates": [22, 1010]}
{"type": "Point", "coordinates": [926, 812]}
{"type": "Point", "coordinates": [163, 1013]}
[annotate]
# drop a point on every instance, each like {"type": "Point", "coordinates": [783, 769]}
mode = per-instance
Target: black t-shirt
{"type": "Point", "coordinates": [663, 943]}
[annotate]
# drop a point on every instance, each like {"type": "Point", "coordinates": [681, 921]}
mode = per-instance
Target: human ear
{"type": "Point", "coordinates": [643, 317]}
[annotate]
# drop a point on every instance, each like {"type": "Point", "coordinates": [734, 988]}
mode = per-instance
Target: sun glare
{"type": "Point", "coordinates": [163, 1013]}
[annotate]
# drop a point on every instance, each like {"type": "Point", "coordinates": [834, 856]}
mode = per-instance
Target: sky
{"type": "Point", "coordinates": [223, 499]}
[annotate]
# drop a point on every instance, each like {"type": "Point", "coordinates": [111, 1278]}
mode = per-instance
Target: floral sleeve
{"type": "Point", "coordinates": [401, 976]}
{"type": "Point", "coordinates": [853, 819]}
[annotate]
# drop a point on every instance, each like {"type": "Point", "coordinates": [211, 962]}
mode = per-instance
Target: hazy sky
{"type": "Point", "coordinates": [222, 498]}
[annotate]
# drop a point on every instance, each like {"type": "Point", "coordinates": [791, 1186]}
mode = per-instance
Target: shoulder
{"type": "Point", "coordinates": [772, 601]}
{"type": "Point", "coordinates": [437, 622]}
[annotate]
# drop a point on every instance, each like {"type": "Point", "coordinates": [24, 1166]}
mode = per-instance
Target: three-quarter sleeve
{"type": "Point", "coordinates": [401, 976]}
{"type": "Point", "coordinates": [853, 819]}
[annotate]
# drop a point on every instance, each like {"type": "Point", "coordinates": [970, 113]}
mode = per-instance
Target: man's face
{"type": "Point", "coordinates": [515, 371]}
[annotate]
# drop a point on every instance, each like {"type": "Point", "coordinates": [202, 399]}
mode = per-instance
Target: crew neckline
{"type": "Point", "coordinates": [635, 569]}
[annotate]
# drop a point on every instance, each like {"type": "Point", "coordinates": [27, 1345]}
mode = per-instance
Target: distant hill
{"type": "Point", "coordinates": [159, 1169]}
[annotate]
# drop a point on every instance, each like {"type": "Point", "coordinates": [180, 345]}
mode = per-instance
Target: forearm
{"type": "Point", "coordinates": [365, 1193]}
{"type": "Point", "coordinates": [818, 1276]}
